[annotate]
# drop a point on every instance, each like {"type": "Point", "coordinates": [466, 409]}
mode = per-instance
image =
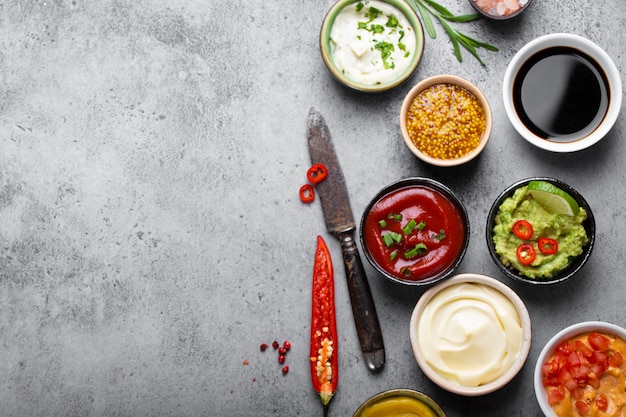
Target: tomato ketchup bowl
{"type": "Point", "coordinates": [470, 334]}
{"type": "Point", "coordinates": [580, 371]}
{"type": "Point", "coordinates": [540, 231]}
{"type": "Point", "coordinates": [399, 401]}
{"type": "Point", "coordinates": [415, 231]}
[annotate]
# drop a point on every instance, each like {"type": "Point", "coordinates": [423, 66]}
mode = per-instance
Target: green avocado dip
{"type": "Point", "coordinates": [567, 230]}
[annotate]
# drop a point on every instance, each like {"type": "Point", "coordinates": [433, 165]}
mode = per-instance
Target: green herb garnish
{"type": "Point", "coordinates": [389, 238]}
{"type": "Point", "coordinates": [441, 236]}
{"type": "Point", "coordinates": [386, 49]}
{"type": "Point", "coordinates": [393, 255]}
{"type": "Point", "coordinates": [382, 223]}
{"type": "Point", "coordinates": [409, 227]}
{"type": "Point", "coordinates": [429, 7]}
{"type": "Point", "coordinates": [421, 225]}
{"type": "Point", "coordinates": [419, 249]}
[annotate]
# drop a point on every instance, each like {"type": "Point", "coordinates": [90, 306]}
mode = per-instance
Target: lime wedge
{"type": "Point", "coordinates": [552, 198]}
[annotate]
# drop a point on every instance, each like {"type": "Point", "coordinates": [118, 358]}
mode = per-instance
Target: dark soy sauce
{"type": "Point", "coordinates": [561, 94]}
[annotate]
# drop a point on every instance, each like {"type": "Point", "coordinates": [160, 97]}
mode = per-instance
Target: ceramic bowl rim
{"type": "Point", "coordinates": [401, 392]}
{"type": "Point", "coordinates": [407, 183]}
{"type": "Point", "coordinates": [548, 349]}
{"type": "Point", "coordinates": [507, 376]}
{"type": "Point", "coordinates": [324, 44]}
{"type": "Point", "coordinates": [592, 50]}
{"type": "Point", "coordinates": [580, 261]}
{"type": "Point", "coordinates": [494, 17]}
{"type": "Point", "coordinates": [446, 79]}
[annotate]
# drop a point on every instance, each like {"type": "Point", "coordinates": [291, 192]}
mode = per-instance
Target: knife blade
{"type": "Point", "coordinates": [334, 198]}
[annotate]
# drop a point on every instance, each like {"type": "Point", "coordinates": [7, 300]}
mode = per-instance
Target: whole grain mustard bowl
{"type": "Point", "coordinates": [445, 120]}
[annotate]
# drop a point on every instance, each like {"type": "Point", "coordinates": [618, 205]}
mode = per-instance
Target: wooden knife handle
{"type": "Point", "coordinates": [363, 309]}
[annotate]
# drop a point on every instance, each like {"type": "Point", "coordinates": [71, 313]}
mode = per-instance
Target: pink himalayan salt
{"type": "Point", "coordinates": [500, 7]}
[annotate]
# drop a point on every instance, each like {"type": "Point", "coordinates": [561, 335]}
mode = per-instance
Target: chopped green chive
{"type": "Point", "coordinates": [382, 223]}
{"type": "Point", "coordinates": [419, 249]}
{"type": "Point", "coordinates": [396, 217]}
{"type": "Point", "coordinates": [421, 226]}
{"type": "Point", "coordinates": [441, 236]}
{"type": "Point", "coordinates": [409, 227]}
{"type": "Point", "coordinates": [393, 255]}
{"type": "Point", "coordinates": [406, 271]}
{"type": "Point", "coordinates": [389, 238]}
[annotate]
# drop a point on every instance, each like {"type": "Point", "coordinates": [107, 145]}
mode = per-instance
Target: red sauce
{"type": "Point", "coordinates": [439, 233]}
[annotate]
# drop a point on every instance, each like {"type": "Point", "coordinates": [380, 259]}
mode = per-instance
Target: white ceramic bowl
{"type": "Point", "coordinates": [508, 374]}
{"type": "Point", "coordinates": [445, 79]}
{"type": "Point", "coordinates": [548, 350]}
{"type": "Point", "coordinates": [588, 48]}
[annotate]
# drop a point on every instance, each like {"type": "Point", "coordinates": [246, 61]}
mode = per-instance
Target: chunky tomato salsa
{"type": "Point", "coordinates": [414, 233]}
{"type": "Point", "coordinates": [586, 376]}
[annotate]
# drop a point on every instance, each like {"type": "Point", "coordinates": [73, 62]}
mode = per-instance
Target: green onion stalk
{"type": "Point", "coordinates": [428, 8]}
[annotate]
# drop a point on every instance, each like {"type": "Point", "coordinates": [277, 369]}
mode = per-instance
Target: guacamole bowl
{"type": "Point", "coordinates": [415, 231]}
{"type": "Point", "coordinates": [540, 231]}
{"type": "Point", "coordinates": [470, 334]}
{"type": "Point", "coordinates": [399, 402]}
{"type": "Point", "coordinates": [355, 55]}
{"type": "Point", "coordinates": [573, 351]}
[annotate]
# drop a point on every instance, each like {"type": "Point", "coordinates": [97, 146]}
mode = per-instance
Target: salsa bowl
{"type": "Point", "coordinates": [557, 247]}
{"type": "Point", "coordinates": [406, 401]}
{"type": "Point", "coordinates": [415, 231]}
{"type": "Point", "coordinates": [445, 120]}
{"type": "Point", "coordinates": [562, 92]}
{"type": "Point", "coordinates": [368, 60]}
{"type": "Point", "coordinates": [569, 376]}
{"type": "Point", "coordinates": [470, 334]}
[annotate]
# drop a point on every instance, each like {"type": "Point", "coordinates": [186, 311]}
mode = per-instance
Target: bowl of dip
{"type": "Point", "coordinates": [500, 9]}
{"type": "Point", "coordinates": [535, 243]}
{"type": "Point", "coordinates": [562, 92]}
{"type": "Point", "coordinates": [415, 231]}
{"type": "Point", "coordinates": [582, 371]}
{"type": "Point", "coordinates": [445, 120]}
{"type": "Point", "coordinates": [371, 46]}
{"type": "Point", "coordinates": [470, 334]}
{"type": "Point", "coordinates": [399, 402]}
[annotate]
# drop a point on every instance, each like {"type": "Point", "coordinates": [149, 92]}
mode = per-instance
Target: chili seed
{"type": "Point", "coordinates": [263, 347]}
{"type": "Point", "coordinates": [287, 345]}
{"type": "Point", "coordinates": [285, 369]}
{"type": "Point", "coordinates": [275, 344]}
{"type": "Point", "coordinates": [282, 351]}
{"type": "Point", "coordinates": [281, 358]}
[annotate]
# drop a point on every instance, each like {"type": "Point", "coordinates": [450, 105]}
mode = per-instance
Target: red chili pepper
{"type": "Point", "coordinates": [526, 253]}
{"type": "Point", "coordinates": [317, 173]}
{"type": "Point", "coordinates": [523, 229]}
{"type": "Point", "coordinates": [547, 246]}
{"type": "Point", "coordinates": [307, 194]}
{"type": "Point", "coordinates": [323, 349]}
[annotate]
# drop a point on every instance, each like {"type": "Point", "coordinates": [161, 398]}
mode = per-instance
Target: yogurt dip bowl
{"type": "Point", "coordinates": [415, 231]}
{"type": "Point", "coordinates": [399, 402]}
{"type": "Point", "coordinates": [374, 48]}
{"type": "Point", "coordinates": [445, 120]}
{"type": "Point", "coordinates": [575, 263]}
{"type": "Point", "coordinates": [470, 334]}
{"type": "Point", "coordinates": [600, 374]}
{"type": "Point", "coordinates": [562, 92]}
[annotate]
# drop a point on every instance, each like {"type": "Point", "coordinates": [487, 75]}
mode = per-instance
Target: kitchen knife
{"type": "Point", "coordinates": [333, 195]}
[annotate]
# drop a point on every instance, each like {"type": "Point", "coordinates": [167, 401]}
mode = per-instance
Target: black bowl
{"type": "Point", "coordinates": [589, 224]}
{"type": "Point", "coordinates": [450, 196]}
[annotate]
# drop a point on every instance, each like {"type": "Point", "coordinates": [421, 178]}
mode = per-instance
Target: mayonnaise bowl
{"type": "Point", "coordinates": [470, 334]}
{"type": "Point", "coordinates": [371, 45]}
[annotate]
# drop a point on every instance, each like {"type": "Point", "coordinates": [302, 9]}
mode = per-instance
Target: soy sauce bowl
{"type": "Point", "coordinates": [576, 264]}
{"type": "Point", "coordinates": [440, 230]}
{"type": "Point", "coordinates": [547, 60]}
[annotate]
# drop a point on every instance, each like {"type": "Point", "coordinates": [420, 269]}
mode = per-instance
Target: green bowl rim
{"type": "Point", "coordinates": [325, 49]}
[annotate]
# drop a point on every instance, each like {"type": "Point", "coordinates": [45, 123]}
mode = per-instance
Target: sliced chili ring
{"type": "Point", "coordinates": [307, 193]}
{"type": "Point", "coordinates": [523, 229]}
{"type": "Point", "coordinates": [547, 245]}
{"type": "Point", "coordinates": [526, 253]}
{"type": "Point", "coordinates": [317, 173]}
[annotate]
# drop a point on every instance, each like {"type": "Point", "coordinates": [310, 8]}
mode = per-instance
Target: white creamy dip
{"type": "Point", "coordinates": [361, 38]}
{"type": "Point", "coordinates": [470, 333]}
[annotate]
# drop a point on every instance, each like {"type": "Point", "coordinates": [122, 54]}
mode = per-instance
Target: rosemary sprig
{"type": "Point", "coordinates": [426, 8]}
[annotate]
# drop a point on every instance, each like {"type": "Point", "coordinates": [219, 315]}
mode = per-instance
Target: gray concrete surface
{"type": "Point", "coordinates": [151, 236]}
